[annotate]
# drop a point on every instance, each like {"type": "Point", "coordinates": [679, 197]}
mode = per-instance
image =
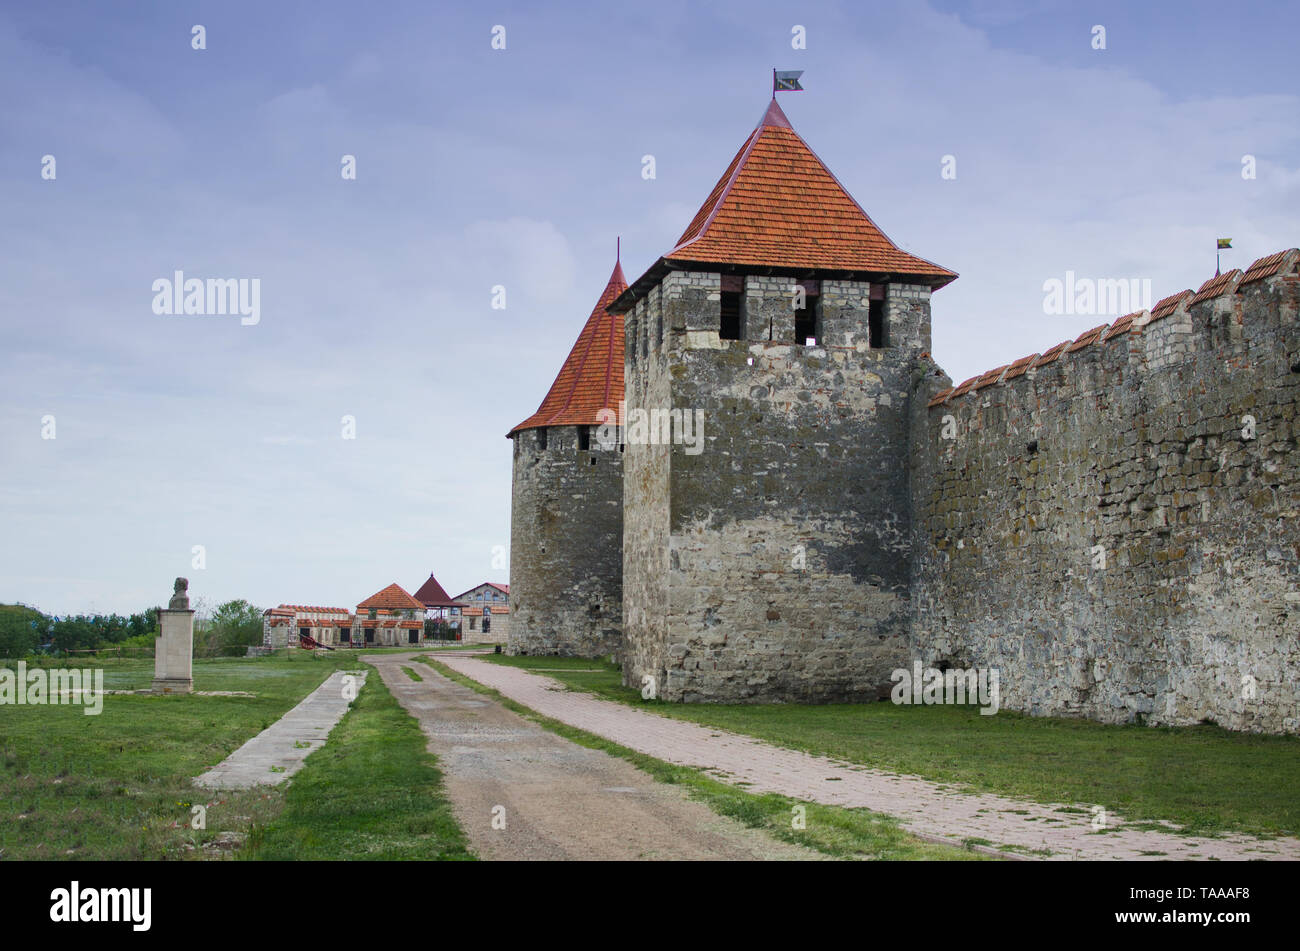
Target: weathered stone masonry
{"type": "Point", "coordinates": [566, 515]}
{"type": "Point", "coordinates": [773, 563]}
{"type": "Point", "coordinates": [1102, 527]}
{"type": "Point", "coordinates": [1110, 524]}
{"type": "Point", "coordinates": [566, 536]}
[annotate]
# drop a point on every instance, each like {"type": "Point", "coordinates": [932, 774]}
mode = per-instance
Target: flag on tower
{"type": "Point", "coordinates": [1225, 244]}
{"type": "Point", "coordinates": [786, 80]}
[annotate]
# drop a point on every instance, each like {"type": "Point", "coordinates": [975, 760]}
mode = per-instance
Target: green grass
{"type": "Point", "coordinates": [117, 785]}
{"type": "Point", "coordinates": [371, 792]}
{"type": "Point", "coordinates": [1205, 778]}
{"type": "Point", "coordinates": [832, 830]}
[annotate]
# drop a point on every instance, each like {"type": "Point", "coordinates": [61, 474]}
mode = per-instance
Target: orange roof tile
{"type": "Point", "coordinates": [1216, 286]}
{"type": "Point", "coordinates": [778, 206]}
{"type": "Point", "coordinates": [591, 378]}
{"type": "Point", "coordinates": [1086, 338]}
{"type": "Point", "coordinates": [988, 379]}
{"type": "Point", "coordinates": [1122, 326]}
{"type": "Point", "coordinates": [1019, 367]}
{"type": "Point", "coordinates": [964, 388]}
{"type": "Point", "coordinates": [940, 397]}
{"type": "Point", "coordinates": [1167, 305]}
{"type": "Point", "coordinates": [1266, 266]}
{"type": "Point", "coordinates": [1051, 355]}
{"type": "Point", "coordinates": [394, 597]}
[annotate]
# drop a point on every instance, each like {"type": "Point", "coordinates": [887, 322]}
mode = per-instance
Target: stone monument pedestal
{"type": "Point", "coordinates": [173, 665]}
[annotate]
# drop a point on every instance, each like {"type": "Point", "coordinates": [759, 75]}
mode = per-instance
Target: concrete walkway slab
{"type": "Point", "coordinates": [926, 808]}
{"type": "Point", "coordinates": [278, 752]}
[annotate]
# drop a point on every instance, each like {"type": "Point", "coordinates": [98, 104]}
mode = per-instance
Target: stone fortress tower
{"type": "Point", "coordinates": [566, 518]}
{"type": "Point", "coordinates": [809, 503]}
{"type": "Point", "coordinates": [773, 563]}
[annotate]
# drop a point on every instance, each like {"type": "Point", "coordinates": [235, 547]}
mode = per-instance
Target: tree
{"type": "Point", "coordinates": [235, 626]}
{"type": "Point", "coordinates": [20, 629]}
{"type": "Point", "coordinates": [80, 632]}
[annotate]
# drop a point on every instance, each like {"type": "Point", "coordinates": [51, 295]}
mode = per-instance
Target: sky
{"type": "Point", "coordinates": [214, 448]}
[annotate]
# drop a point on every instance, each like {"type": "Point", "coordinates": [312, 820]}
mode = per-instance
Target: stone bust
{"type": "Point", "coordinates": [180, 598]}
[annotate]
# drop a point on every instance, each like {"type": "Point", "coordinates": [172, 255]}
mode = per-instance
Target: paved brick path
{"type": "Point", "coordinates": [925, 808]}
{"type": "Point", "coordinates": [287, 741]}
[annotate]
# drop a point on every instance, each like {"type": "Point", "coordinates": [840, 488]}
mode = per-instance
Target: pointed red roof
{"type": "Point", "coordinates": [394, 597]}
{"type": "Point", "coordinates": [433, 595]}
{"type": "Point", "coordinates": [778, 206]}
{"type": "Point", "coordinates": [591, 378]}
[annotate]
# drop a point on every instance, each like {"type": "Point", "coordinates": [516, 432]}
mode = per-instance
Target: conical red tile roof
{"type": "Point", "coordinates": [778, 206]}
{"type": "Point", "coordinates": [394, 597]}
{"type": "Point", "coordinates": [433, 595]}
{"type": "Point", "coordinates": [591, 378]}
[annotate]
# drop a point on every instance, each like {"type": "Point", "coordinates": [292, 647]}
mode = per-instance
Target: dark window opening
{"type": "Point", "coordinates": [659, 331]}
{"type": "Point", "coordinates": [876, 325]}
{"type": "Point", "coordinates": [584, 437]}
{"type": "Point", "coordinates": [541, 438]}
{"type": "Point", "coordinates": [730, 327]}
{"type": "Point", "coordinates": [1032, 447]}
{"type": "Point", "coordinates": [370, 635]}
{"type": "Point", "coordinates": [806, 331]}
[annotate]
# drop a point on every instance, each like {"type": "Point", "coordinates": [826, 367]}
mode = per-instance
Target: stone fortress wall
{"type": "Point", "coordinates": [1113, 523]}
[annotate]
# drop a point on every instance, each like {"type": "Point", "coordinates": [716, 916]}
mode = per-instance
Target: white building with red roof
{"type": "Point", "coordinates": [388, 618]}
{"type": "Point", "coordinates": [486, 609]}
{"type": "Point", "coordinates": [284, 625]}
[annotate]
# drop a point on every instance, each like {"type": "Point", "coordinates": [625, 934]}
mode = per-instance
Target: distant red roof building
{"type": "Point", "coordinates": [777, 206]}
{"type": "Point", "coordinates": [433, 595]}
{"type": "Point", "coordinates": [591, 378]}
{"type": "Point", "coordinates": [392, 598]}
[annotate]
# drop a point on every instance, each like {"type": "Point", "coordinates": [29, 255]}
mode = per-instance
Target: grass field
{"type": "Point", "coordinates": [117, 785]}
{"type": "Point", "coordinates": [832, 830]}
{"type": "Point", "coordinates": [372, 792]}
{"type": "Point", "coordinates": [1205, 778]}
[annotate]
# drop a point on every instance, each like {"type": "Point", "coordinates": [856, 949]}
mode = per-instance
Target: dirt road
{"type": "Point", "coordinates": [522, 792]}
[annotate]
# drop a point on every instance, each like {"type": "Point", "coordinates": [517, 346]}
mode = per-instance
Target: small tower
{"type": "Point", "coordinates": [767, 554]}
{"type": "Point", "coordinates": [566, 515]}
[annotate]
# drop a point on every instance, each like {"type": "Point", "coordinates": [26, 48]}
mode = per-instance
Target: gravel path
{"type": "Point", "coordinates": [556, 799]}
{"type": "Point", "coordinates": [925, 808]}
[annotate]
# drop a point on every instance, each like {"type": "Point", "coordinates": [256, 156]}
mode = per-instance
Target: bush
{"type": "Point", "coordinates": [235, 627]}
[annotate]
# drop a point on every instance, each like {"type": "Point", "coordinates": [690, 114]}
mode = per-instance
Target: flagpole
{"type": "Point", "coordinates": [773, 82]}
